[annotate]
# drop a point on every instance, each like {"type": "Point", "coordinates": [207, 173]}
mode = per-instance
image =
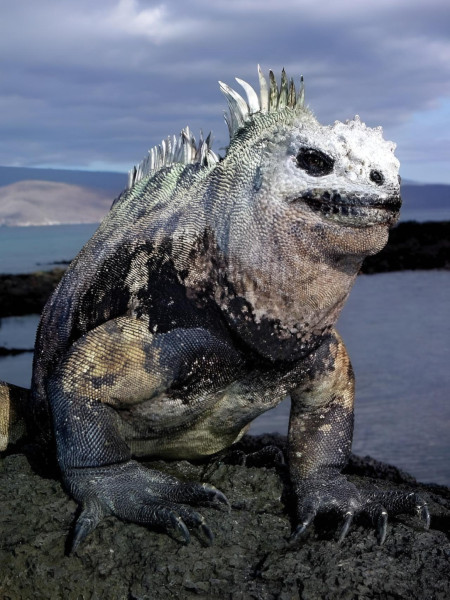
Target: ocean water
{"type": "Point", "coordinates": [396, 327]}
{"type": "Point", "coordinates": [29, 249]}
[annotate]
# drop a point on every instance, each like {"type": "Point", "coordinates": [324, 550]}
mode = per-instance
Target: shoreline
{"type": "Point", "coordinates": [413, 246]}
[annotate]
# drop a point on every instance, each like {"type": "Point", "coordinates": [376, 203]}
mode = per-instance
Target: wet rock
{"type": "Point", "coordinates": [27, 294]}
{"type": "Point", "coordinates": [251, 557]}
{"type": "Point", "coordinates": [413, 246]}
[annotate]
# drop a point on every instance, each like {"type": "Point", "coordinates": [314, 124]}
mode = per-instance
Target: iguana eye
{"type": "Point", "coordinates": [376, 177]}
{"type": "Point", "coordinates": [314, 162]}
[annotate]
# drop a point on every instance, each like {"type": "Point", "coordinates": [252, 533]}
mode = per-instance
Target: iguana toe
{"type": "Point", "coordinates": [381, 503]}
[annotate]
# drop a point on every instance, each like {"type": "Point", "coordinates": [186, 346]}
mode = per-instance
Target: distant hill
{"type": "Point", "coordinates": [52, 196]}
{"type": "Point", "coordinates": [43, 196]}
{"type": "Point", "coordinates": [51, 203]}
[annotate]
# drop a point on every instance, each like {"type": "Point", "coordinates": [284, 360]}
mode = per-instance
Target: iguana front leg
{"type": "Point", "coordinates": [121, 364]}
{"type": "Point", "coordinates": [320, 438]}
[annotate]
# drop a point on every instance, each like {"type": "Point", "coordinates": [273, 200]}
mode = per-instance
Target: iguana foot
{"type": "Point", "coordinates": [134, 493]}
{"type": "Point", "coordinates": [338, 495]}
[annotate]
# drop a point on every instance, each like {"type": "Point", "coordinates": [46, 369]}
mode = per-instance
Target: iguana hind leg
{"type": "Point", "coordinates": [116, 365]}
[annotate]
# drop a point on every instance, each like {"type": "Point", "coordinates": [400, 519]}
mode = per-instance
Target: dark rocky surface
{"type": "Point", "coordinates": [27, 294]}
{"type": "Point", "coordinates": [250, 558]}
{"type": "Point", "coordinates": [413, 246]}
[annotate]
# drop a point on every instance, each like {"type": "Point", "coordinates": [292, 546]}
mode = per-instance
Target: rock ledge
{"type": "Point", "coordinates": [250, 558]}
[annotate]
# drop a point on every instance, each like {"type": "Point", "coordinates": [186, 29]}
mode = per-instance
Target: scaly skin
{"type": "Point", "coordinates": [208, 293]}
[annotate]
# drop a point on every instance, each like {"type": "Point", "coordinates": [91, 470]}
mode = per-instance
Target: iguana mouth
{"type": "Point", "coordinates": [354, 210]}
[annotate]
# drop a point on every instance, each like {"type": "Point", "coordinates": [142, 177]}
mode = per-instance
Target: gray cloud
{"type": "Point", "coordinates": [95, 84]}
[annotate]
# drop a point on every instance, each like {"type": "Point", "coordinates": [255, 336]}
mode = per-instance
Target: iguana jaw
{"type": "Point", "coordinates": [352, 210]}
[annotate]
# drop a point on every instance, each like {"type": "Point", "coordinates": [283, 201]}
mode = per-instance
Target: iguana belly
{"type": "Point", "coordinates": [192, 434]}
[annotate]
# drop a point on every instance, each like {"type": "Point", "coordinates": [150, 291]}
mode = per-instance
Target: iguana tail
{"type": "Point", "coordinates": [12, 403]}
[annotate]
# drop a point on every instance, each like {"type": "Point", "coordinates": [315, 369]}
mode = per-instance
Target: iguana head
{"type": "Point", "coordinates": [331, 177]}
{"type": "Point", "coordinates": [346, 173]}
{"type": "Point", "coordinates": [304, 204]}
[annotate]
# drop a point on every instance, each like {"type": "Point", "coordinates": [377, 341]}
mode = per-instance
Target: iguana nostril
{"type": "Point", "coordinates": [376, 177]}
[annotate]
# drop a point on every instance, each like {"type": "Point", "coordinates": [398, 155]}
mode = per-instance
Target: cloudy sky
{"type": "Point", "coordinates": [93, 84]}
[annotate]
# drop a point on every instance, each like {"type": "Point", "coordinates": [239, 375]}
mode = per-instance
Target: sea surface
{"type": "Point", "coordinates": [396, 327]}
{"type": "Point", "coordinates": [41, 248]}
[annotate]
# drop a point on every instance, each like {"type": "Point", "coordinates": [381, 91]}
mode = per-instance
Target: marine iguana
{"type": "Point", "coordinates": [210, 292]}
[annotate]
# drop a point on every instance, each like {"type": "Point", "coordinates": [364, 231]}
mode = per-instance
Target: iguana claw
{"type": "Point", "coordinates": [381, 526]}
{"type": "Point", "coordinates": [346, 526]}
{"type": "Point", "coordinates": [88, 520]}
{"type": "Point", "coordinates": [180, 526]}
{"type": "Point", "coordinates": [300, 529]}
{"type": "Point", "coordinates": [207, 533]}
{"type": "Point", "coordinates": [215, 495]}
{"type": "Point", "coordinates": [424, 514]}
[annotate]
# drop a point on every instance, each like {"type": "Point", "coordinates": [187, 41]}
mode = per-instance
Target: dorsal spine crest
{"type": "Point", "coordinates": [271, 99]}
{"type": "Point", "coordinates": [185, 150]}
